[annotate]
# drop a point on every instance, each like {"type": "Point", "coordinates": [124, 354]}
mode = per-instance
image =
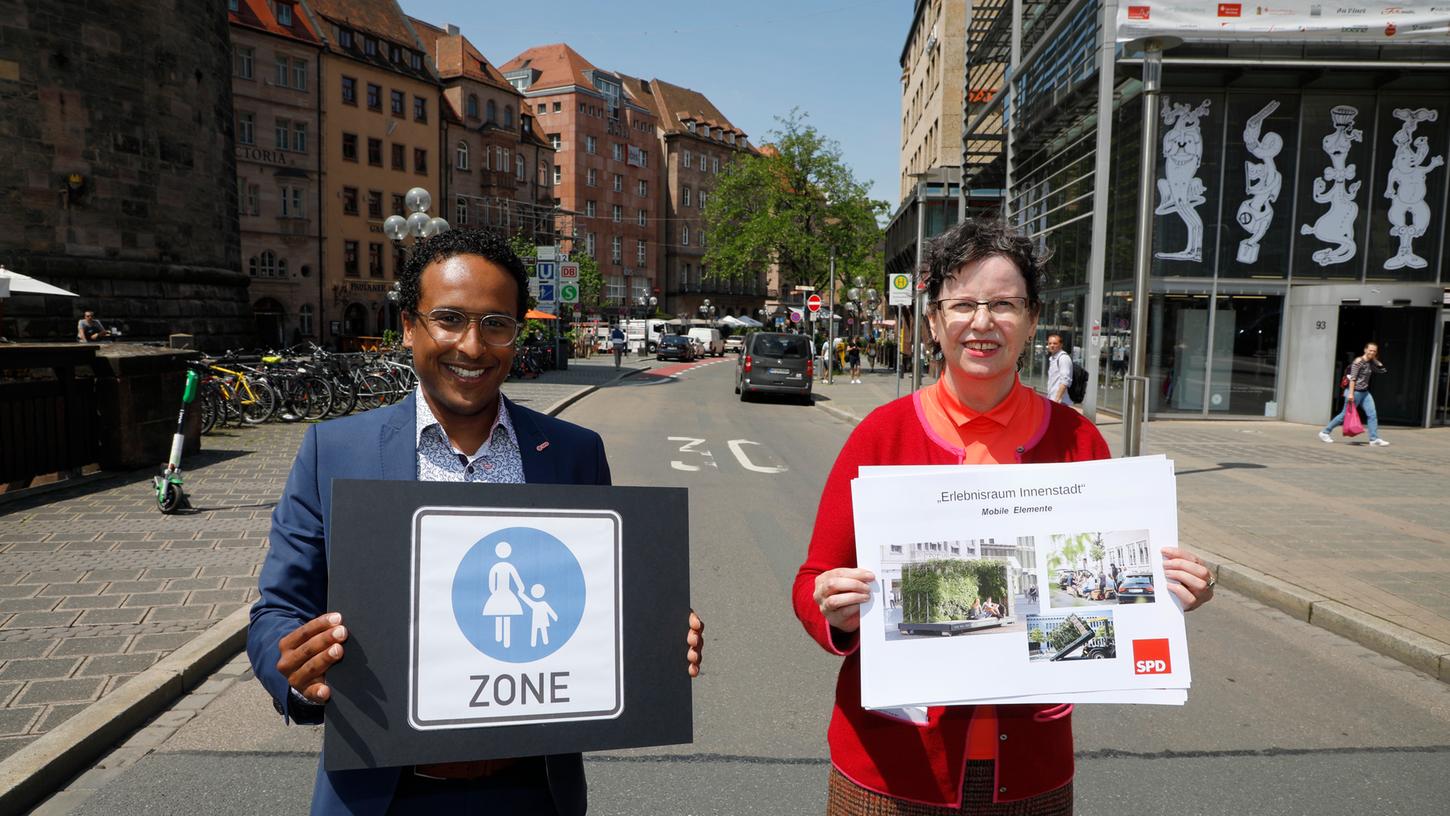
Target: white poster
{"type": "Point", "coordinates": [1337, 187]}
{"type": "Point", "coordinates": [1023, 583]}
{"type": "Point", "coordinates": [1409, 214]}
{"type": "Point", "coordinates": [1180, 191]}
{"type": "Point", "coordinates": [1287, 21]}
{"type": "Point", "coordinates": [1262, 183]}
{"type": "Point", "coordinates": [516, 618]}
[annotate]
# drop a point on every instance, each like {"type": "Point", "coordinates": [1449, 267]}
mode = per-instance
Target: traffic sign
{"type": "Point", "coordinates": [545, 270]}
{"type": "Point", "coordinates": [545, 253]}
{"type": "Point", "coordinates": [547, 293]}
{"type": "Point", "coordinates": [813, 303]}
{"type": "Point", "coordinates": [568, 293]}
{"type": "Point", "coordinates": [569, 271]}
{"type": "Point", "coordinates": [900, 290]}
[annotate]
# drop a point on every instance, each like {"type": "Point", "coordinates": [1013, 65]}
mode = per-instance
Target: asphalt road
{"type": "Point", "coordinates": [1283, 718]}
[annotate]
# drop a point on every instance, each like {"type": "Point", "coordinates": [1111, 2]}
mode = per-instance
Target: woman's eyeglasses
{"type": "Point", "coordinates": [966, 308]}
{"type": "Point", "coordinates": [449, 326]}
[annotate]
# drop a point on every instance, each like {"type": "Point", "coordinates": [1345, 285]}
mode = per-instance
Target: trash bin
{"type": "Point", "coordinates": [561, 353]}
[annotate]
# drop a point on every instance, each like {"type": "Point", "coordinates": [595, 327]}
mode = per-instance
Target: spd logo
{"type": "Point", "coordinates": [1230, 9]}
{"type": "Point", "coordinates": [1139, 12]}
{"type": "Point", "coordinates": [1151, 657]}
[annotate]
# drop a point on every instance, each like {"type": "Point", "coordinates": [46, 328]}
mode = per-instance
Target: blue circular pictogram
{"type": "Point", "coordinates": [518, 594]}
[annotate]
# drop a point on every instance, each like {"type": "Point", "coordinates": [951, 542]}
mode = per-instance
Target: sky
{"type": "Point", "coordinates": [836, 60]}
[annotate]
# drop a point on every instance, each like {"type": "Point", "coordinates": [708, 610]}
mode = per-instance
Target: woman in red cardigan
{"type": "Point", "coordinates": [982, 287]}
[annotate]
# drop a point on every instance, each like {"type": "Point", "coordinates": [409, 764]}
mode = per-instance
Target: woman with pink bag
{"type": "Point", "coordinates": [1356, 393]}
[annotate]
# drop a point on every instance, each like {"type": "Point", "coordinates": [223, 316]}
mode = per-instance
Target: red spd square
{"type": "Point", "coordinates": [1138, 12]}
{"type": "Point", "coordinates": [1151, 657]}
{"type": "Point", "coordinates": [1230, 9]}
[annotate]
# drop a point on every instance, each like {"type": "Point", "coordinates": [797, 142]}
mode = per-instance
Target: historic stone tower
{"type": "Point", "coordinates": [117, 177]}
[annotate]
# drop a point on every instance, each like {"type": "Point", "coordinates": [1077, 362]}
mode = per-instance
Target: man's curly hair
{"type": "Point", "coordinates": [486, 244]}
{"type": "Point", "coordinates": [976, 239]}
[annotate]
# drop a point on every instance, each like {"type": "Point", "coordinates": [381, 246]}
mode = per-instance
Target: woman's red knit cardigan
{"type": "Point", "coordinates": [926, 763]}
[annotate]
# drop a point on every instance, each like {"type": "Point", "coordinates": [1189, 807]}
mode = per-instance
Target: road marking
{"type": "Point", "coordinates": [736, 448]}
{"type": "Point", "coordinates": [689, 447]}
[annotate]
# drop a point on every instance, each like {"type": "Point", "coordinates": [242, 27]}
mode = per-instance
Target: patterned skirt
{"type": "Point", "coordinates": [846, 798]}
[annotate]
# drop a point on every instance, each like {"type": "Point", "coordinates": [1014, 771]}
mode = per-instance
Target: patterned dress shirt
{"type": "Point", "coordinates": [498, 461]}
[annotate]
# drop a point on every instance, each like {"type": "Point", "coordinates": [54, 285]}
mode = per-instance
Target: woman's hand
{"type": "Point", "coordinates": [1188, 578]}
{"type": "Point", "coordinates": [695, 640]}
{"type": "Point", "coordinates": [840, 593]}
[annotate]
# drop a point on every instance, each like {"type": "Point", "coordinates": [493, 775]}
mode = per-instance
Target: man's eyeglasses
{"type": "Point", "coordinates": [450, 325]}
{"type": "Point", "coordinates": [966, 308]}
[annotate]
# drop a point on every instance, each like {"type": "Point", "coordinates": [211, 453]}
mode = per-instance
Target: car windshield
{"type": "Point", "coordinates": [782, 345]}
{"type": "Point", "coordinates": [674, 340]}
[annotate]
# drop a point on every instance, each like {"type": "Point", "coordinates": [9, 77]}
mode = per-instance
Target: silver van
{"type": "Point", "coordinates": [775, 363]}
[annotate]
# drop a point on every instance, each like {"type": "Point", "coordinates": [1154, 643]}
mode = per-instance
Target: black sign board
{"type": "Point", "coordinates": [490, 621]}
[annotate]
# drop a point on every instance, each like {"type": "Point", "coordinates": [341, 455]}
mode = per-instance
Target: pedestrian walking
{"type": "Point", "coordinates": [463, 295]}
{"type": "Point", "coordinates": [1356, 393]}
{"type": "Point", "coordinates": [983, 281]}
{"type": "Point", "coordinates": [616, 340]}
{"type": "Point", "coordinates": [1059, 370]}
{"type": "Point", "coordinates": [871, 354]}
{"type": "Point", "coordinates": [853, 359]}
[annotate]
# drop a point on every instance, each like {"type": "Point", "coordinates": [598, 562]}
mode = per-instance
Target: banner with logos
{"type": "Point", "coordinates": [1289, 21]}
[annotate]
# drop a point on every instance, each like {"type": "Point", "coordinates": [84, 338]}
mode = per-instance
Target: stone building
{"type": "Point", "coordinates": [608, 166]}
{"type": "Point", "coordinates": [499, 170]}
{"type": "Point", "coordinates": [382, 104]}
{"type": "Point", "coordinates": [276, 55]}
{"type": "Point", "coordinates": [117, 181]}
{"type": "Point", "coordinates": [695, 142]}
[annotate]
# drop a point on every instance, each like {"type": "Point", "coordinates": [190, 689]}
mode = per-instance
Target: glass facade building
{"type": "Point", "coordinates": [1299, 211]}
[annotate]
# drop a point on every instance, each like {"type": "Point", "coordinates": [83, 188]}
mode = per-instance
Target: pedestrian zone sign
{"type": "Point", "coordinates": [516, 617]}
{"type": "Point", "coordinates": [900, 290]}
{"type": "Point", "coordinates": [568, 293]}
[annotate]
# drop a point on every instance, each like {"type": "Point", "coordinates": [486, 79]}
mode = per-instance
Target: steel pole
{"type": "Point", "coordinates": [831, 365]}
{"type": "Point", "coordinates": [915, 293]}
{"type": "Point", "coordinates": [1135, 414]}
{"type": "Point", "coordinates": [896, 335]}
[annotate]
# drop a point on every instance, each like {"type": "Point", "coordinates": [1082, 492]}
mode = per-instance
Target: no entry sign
{"type": "Point", "coordinates": [813, 303]}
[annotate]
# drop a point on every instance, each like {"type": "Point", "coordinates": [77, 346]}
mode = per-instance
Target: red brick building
{"type": "Point", "coordinates": [607, 160]}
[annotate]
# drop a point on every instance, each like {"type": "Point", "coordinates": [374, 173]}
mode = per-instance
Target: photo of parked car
{"type": "Point", "coordinates": [1136, 589]}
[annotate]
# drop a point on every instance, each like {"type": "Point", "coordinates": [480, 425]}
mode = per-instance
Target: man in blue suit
{"type": "Point", "coordinates": [463, 295]}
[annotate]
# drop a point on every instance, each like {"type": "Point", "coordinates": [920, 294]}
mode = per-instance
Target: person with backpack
{"type": "Point", "coordinates": [1355, 383]}
{"type": "Point", "coordinates": [1059, 371]}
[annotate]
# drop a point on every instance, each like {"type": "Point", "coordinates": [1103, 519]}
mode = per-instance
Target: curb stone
{"type": "Point", "coordinates": [1411, 648]}
{"type": "Point", "coordinates": [42, 767]}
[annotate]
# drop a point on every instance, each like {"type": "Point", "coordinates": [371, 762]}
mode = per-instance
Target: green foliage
{"type": "Point", "coordinates": [946, 589]}
{"type": "Point", "coordinates": [1035, 635]}
{"type": "Point", "coordinates": [792, 209]}
{"type": "Point", "coordinates": [392, 338]}
{"type": "Point", "coordinates": [591, 283]}
{"type": "Point", "coordinates": [1064, 634]}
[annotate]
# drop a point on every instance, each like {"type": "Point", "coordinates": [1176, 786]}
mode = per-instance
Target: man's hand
{"type": "Point", "coordinates": [695, 639]}
{"type": "Point", "coordinates": [309, 651]}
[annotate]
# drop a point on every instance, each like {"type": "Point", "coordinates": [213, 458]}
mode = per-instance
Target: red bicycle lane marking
{"type": "Point", "coordinates": [670, 371]}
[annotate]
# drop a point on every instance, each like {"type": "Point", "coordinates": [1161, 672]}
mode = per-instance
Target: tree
{"type": "Point", "coordinates": [792, 204]}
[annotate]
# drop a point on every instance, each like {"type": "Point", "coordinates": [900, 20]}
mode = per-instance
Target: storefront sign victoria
{"type": "Point", "coordinates": [257, 154]}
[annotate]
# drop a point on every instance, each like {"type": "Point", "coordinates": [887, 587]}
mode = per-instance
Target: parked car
{"type": "Point", "coordinates": [775, 363]}
{"type": "Point", "coordinates": [696, 345]}
{"type": "Point", "coordinates": [709, 339]}
{"type": "Point", "coordinates": [735, 343]}
{"type": "Point", "coordinates": [1136, 589]}
{"type": "Point", "coordinates": [675, 347]}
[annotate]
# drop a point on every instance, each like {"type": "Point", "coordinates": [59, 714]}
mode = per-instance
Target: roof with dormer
{"type": "Point", "coordinates": [258, 14]}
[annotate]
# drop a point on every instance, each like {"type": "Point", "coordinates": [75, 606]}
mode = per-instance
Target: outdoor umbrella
{"type": "Point", "coordinates": [18, 284]}
{"type": "Point", "coordinates": [535, 314]}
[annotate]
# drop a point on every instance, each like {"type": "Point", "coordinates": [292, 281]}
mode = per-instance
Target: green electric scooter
{"type": "Point", "coordinates": [169, 495]}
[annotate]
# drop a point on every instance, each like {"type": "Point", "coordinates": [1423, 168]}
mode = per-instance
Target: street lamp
{"type": "Point", "coordinates": [417, 225]}
{"type": "Point", "coordinates": [707, 311]}
{"type": "Point", "coordinates": [647, 304]}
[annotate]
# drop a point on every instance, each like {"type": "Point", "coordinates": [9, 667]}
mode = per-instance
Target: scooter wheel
{"type": "Point", "coordinates": [170, 498]}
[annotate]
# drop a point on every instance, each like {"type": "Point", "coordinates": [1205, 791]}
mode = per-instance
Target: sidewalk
{"type": "Point", "coordinates": [1348, 537]}
{"type": "Point", "coordinates": [110, 610]}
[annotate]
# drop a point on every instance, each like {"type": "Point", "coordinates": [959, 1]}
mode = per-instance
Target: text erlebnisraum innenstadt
{"type": "Point", "coordinates": [1013, 493]}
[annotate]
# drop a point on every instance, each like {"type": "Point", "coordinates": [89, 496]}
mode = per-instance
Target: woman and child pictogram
{"type": "Point", "coordinates": [506, 600]}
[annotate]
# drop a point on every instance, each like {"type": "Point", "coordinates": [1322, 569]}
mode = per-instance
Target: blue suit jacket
{"type": "Point", "coordinates": [382, 444]}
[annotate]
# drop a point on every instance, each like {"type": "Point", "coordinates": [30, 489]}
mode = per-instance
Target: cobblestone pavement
{"type": "Point", "coordinates": [96, 585]}
{"type": "Point", "coordinates": [1362, 526]}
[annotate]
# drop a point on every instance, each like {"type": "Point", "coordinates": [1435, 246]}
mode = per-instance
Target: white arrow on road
{"type": "Point", "coordinates": [735, 448]}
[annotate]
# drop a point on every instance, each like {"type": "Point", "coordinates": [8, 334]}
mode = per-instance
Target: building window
{"type": "Point", "coordinates": [685, 196]}
{"type": "Point", "coordinates": [557, 141]}
{"type": "Point", "coordinates": [591, 145]}
{"type": "Point", "coordinates": [616, 213]}
{"type": "Point", "coordinates": [304, 319]}
{"type": "Point", "coordinates": [349, 147]}
{"type": "Point", "coordinates": [684, 235]}
{"type": "Point", "coordinates": [508, 117]}
{"type": "Point", "coordinates": [420, 109]}
{"type": "Point", "coordinates": [267, 266]}
{"type": "Point", "coordinates": [349, 258]}
{"type": "Point", "coordinates": [589, 243]}
{"type": "Point", "coordinates": [643, 187]}
{"type": "Point", "coordinates": [246, 128]}
{"type": "Point", "coordinates": [395, 53]}
{"type": "Point", "coordinates": [558, 107]}
{"type": "Point", "coordinates": [349, 201]}
{"type": "Point", "coordinates": [461, 212]}
{"type": "Point", "coordinates": [299, 74]}
{"type": "Point", "coordinates": [370, 46]}
{"type": "Point", "coordinates": [639, 253]}
{"type": "Point", "coordinates": [590, 208]}
{"type": "Point", "coordinates": [640, 218]}
{"type": "Point", "coordinates": [282, 134]}
{"type": "Point", "coordinates": [558, 174]}
{"type": "Point", "coordinates": [462, 155]}
{"type": "Point", "coordinates": [687, 158]}
{"type": "Point", "coordinates": [398, 204]}
{"type": "Point", "coordinates": [471, 107]}
{"type": "Point", "coordinates": [519, 167]}
{"type": "Point", "coordinates": [616, 249]}
{"type": "Point", "coordinates": [618, 151]}
{"type": "Point", "coordinates": [399, 154]}
{"type": "Point", "coordinates": [400, 258]}
{"type": "Point", "coordinates": [398, 100]}
{"type": "Point", "coordinates": [254, 199]}
{"type": "Point", "coordinates": [292, 198]}
{"type": "Point", "coordinates": [618, 183]}
{"type": "Point", "coordinates": [283, 67]}
{"type": "Point", "coordinates": [591, 177]}
{"type": "Point", "coordinates": [375, 152]}
{"type": "Point", "coordinates": [491, 111]}
{"type": "Point", "coordinates": [243, 59]}
{"type": "Point", "coordinates": [543, 174]}
{"type": "Point", "coordinates": [375, 260]}
{"type": "Point", "coordinates": [416, 60]}
{"type": "Point", "coordinates": [703, 195]}
{"type": "Point", "coordinates": [299, 137]}
{"type": "Point", "coordinates": [715, 165]}
{"type": "Point", "coordinates": [375, 204]}
{"type": "Point", "coordinates": [420, 161]}
{"type": "Point", "coordinates": [349, 91]}
{"type": "Point", "coordinates": [375, 97]}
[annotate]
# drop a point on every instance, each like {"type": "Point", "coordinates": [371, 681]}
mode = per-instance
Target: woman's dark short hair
{"type": "Point", "coordinates": [486, 244]}
{"type": "Point", "coordinates": [977, 239]}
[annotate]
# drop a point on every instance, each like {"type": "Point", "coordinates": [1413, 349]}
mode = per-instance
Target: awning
{"type": "Point", "coordinates": [14, 283]}
{"type": "Point", "coordinates": [535, 314]}
{"type": "Point", "coordinates": [741, 322]}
